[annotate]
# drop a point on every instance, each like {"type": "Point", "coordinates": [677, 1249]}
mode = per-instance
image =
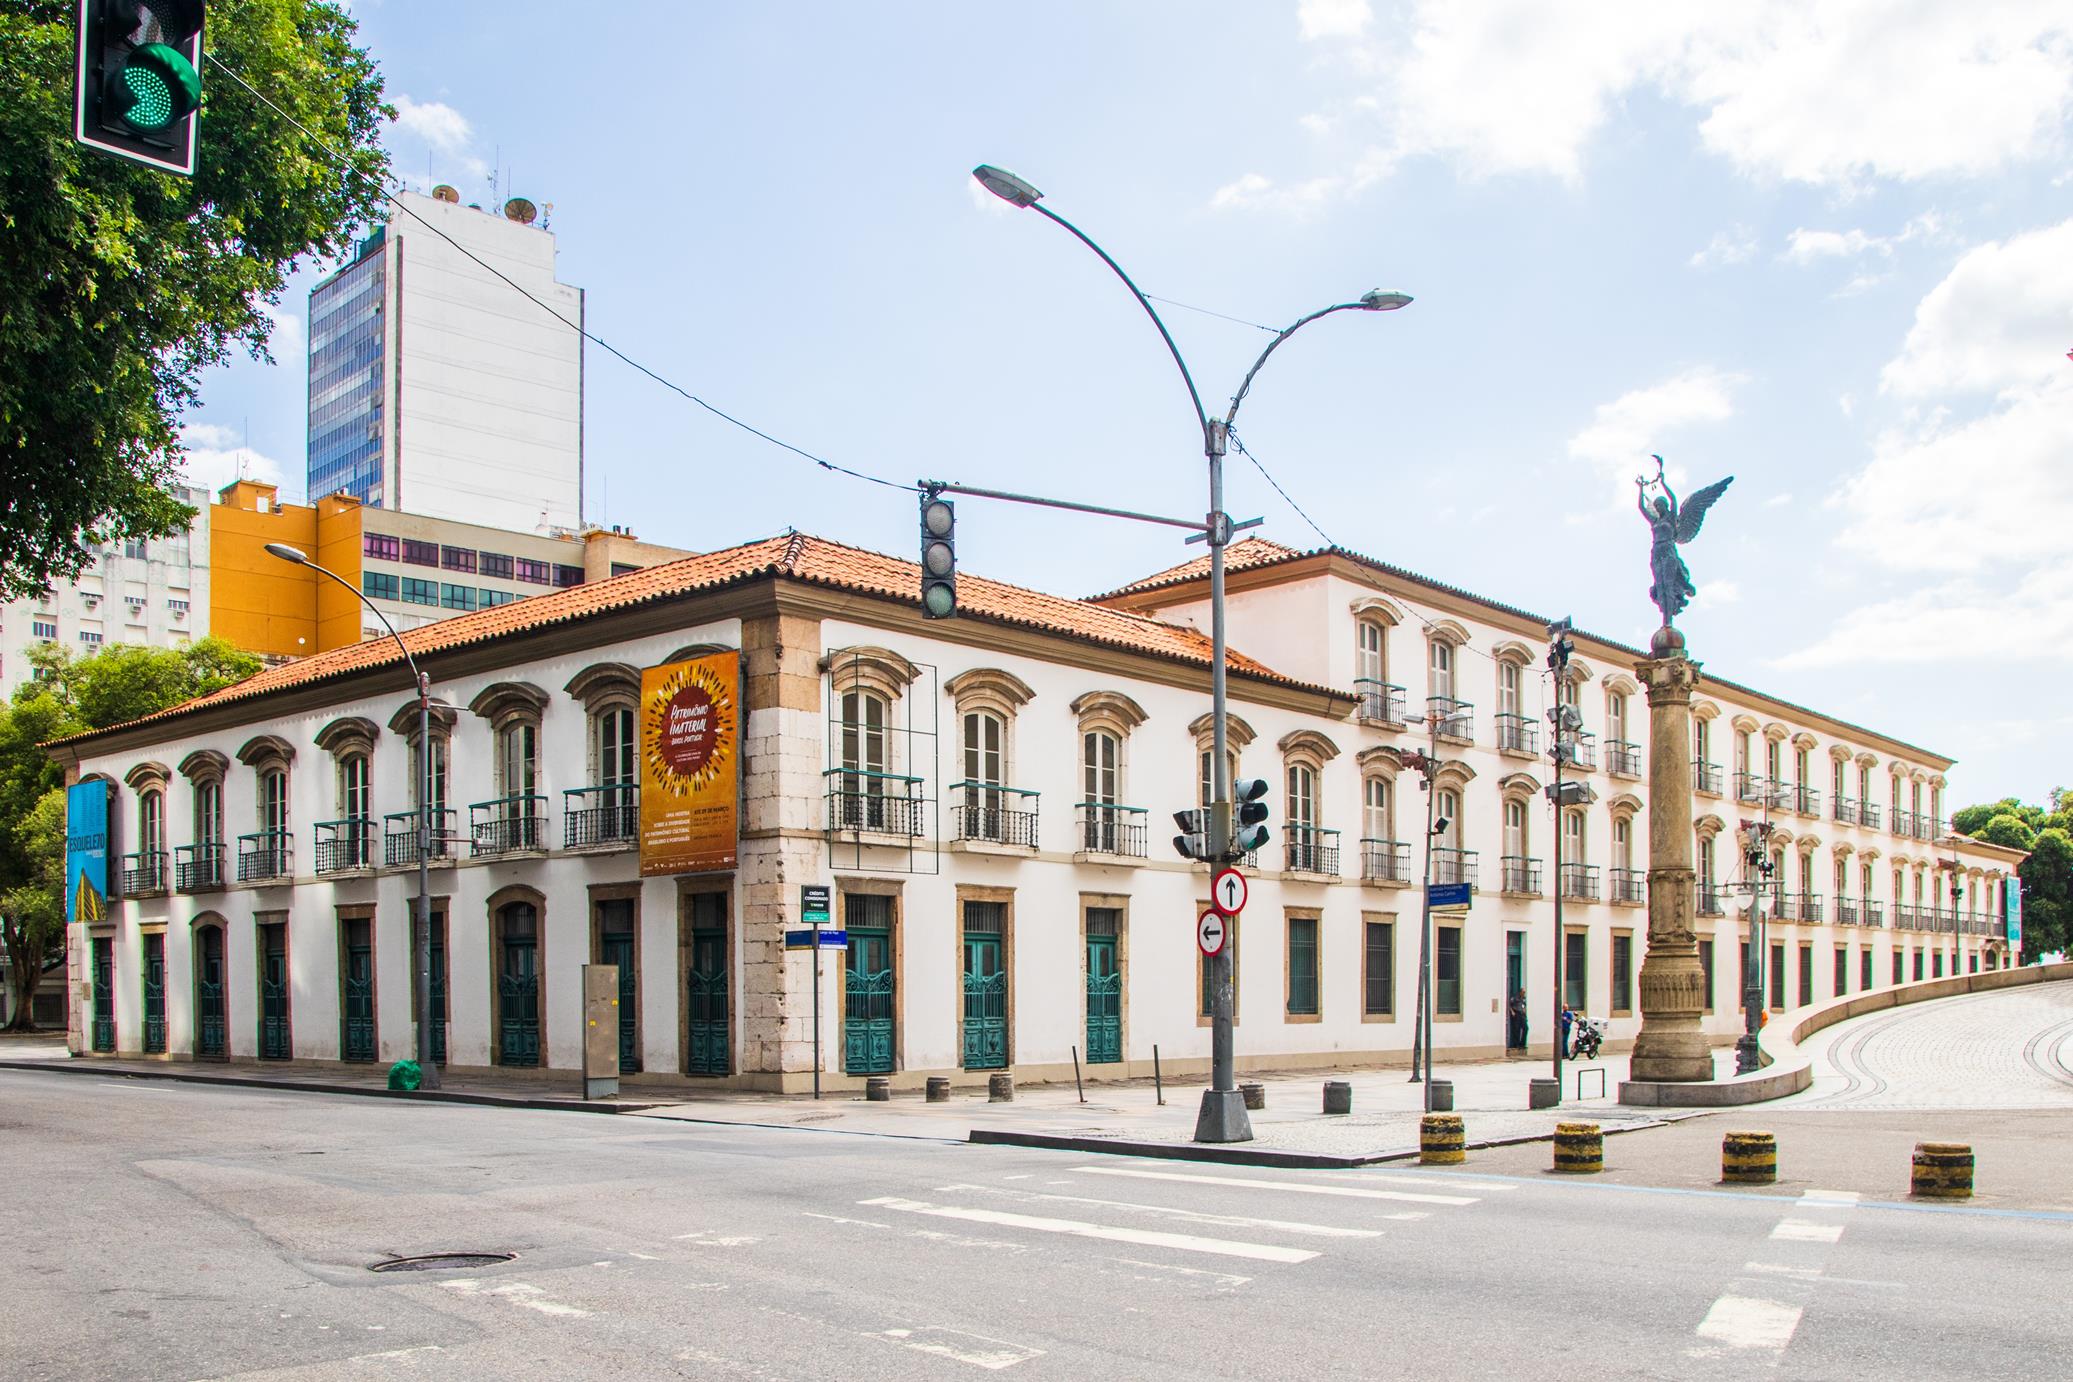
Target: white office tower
{"type": "Point", "coordinates": [437, 387]}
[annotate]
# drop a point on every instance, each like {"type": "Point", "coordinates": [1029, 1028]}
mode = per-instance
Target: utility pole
{"type": "Point", "coordinates": [1565, 721]}
{"type": "Point", "coordinates": [1427, 766]}
{"type": "Point", "coordinates": [1756, 873]}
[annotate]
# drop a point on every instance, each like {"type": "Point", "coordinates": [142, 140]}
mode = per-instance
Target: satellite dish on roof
{"type": "Point", "coordinates": [520, 210]}
{"type": "Point", "coordinates": [444, 193]}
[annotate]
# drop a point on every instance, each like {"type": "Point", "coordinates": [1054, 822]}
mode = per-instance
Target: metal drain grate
{"type": "Point", "coordinates": [442, 1262]}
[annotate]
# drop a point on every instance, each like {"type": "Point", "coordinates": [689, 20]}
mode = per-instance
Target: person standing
{"type": "Point", "coordinates": [1516, 1035]}
{"type": "Point", "coordinates": [1568, 1022]}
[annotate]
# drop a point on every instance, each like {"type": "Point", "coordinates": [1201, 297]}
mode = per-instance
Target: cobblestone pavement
{"type": "Point", "coordinates": [2004, 1050]}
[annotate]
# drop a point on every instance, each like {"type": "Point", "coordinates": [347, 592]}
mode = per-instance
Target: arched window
{"type": "Point", "coordinates": [1623, 844]}
{"type": "Point", "coordinates": [1303, 839]}
{"type": "Point", "coordinates": [1101, 786]}
{"type": "Point", "coordinates": [990, 807]}
{"type": "Point", "coordinates": [1378, 699]}
{"type": "Point", "coordinates": [1521, 873]}
{"type": "Point", "coordinates": [1377, 811]}
{"type": "Point", "coordinates": [1579, 875]}
{"type": "Point", "coordinates": [1710, 903]}
{"type": "Point", "coordinates": [1442, 669]}
{"type": "Point", "coordinates": [607, 810]}
{"type": "Point", "coordinates": [983, 809]}
{"type": "Point", "coordinates": [1447, 808]}
{"type": "Point", "coordinates": [1516, 731]}
{"type": "Point", "coordinates": [515, 819]}
{"type": "Point", "coordinates": [355, 808]}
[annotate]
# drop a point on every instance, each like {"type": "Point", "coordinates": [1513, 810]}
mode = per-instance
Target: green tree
{"type": "Point", "coordinates": [2006, 829]}
{"type": "Point", "coordinates": [1971, 819]}
{"type": "Point", "coordinates": [66, 696]}
{"type": "Point", "coordinates": [122, 284]}
{"type": "Point", "coordinates": [2048, 893]}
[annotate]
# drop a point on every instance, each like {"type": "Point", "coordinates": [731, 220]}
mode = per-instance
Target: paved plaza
{"type": "Point", "coordinates": [2011, 1049]}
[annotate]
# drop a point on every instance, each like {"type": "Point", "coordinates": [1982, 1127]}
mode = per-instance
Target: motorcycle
{"type": "Point", "coordinates": [1587, 1038]}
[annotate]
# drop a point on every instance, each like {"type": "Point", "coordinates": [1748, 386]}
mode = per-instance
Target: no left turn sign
{"type": "Point", "coordinates": [1211, 930]}
{"type": "Point", "coordinates": [1227, 892]}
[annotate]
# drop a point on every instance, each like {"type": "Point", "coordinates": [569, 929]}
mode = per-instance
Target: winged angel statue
{"type": "Point", "coordinates": [1671, 524]}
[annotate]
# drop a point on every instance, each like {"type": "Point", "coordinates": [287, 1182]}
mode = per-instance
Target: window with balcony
{"type": "Point", "coordinates": [1107, 823]}
{"type": "Point", "coordinates": [1311, 848]}
{"type": "Point", "coordinates": [515, 819]}
{"type": "Point", "coordinates": [1580, 877]}
{"type": "Point", "coordinates": [1379, 700]}
{"type": "Point", "coordinates": [1384, 857]}
{"type": "Point", "coordinates": [1516, 730]}
{"type": "Point", "coordinates": [265, 854]}
{"type": "Point", "coordinates": [866, 790]}
{"type": "Point", "coordinates": [1444, 708]}
{"type": "Point", "coordinates": [347, 842]}
{"type": "Point", "coordinates": [1629, 884]}
{"type": "Point", "coordinates": [1521, 871]}
{"type": "Point", "coordinates": [1711, 901]}
{"type": "Point", "coordinates": [200, 865]}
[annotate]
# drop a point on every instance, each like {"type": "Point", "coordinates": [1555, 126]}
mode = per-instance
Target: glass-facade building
{"type": "Point", "coordinates": [346, 378]}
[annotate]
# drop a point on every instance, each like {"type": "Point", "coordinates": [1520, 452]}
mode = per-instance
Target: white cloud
{"type": "Point", "coordinates": [1333, 18]}
{"type": "Point", "coordinates": [1623, 433]}
{"type": "Point", "coordinates": [1832, 93]}
{"type": "Point", "coordinates": [212, 457]}
{"type": "Point", "coordinates": [1735, 245]}
{"type": "Point", "coordinates": [984, 200]}
{"type": "Point", "coordinates": [2001, 319]}
{"type": "Point", "coordinates": [1777, 501]}
{"type": "Point", "coordinates": [436, 123]}
{"type": "Point", "coordinates": [1256, 192]}
{"type": "Point", "coordinates": [1806, 246]}
{"type": "Point", "coordinates": [286, 338]}
{"type": "Point", "coordinates": [1719, 593]}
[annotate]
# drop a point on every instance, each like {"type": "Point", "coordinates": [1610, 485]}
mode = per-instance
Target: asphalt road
{"type": "Point", "coordinates": [166, 1231]}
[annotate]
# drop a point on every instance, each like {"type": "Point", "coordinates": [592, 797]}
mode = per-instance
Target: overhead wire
{"type": "Point", "coordinates": [346, 163]}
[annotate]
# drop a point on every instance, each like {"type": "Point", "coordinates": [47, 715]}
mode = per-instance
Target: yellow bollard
{"type": "Point", "coordinates": [1579, 1148]}
{"type": "Point", "coordinates": [1749, 1158]}
{"type": "Point", "coordinates": [1942, 1171]}
{"type": "Point", "coordinates": [1440, 1140]}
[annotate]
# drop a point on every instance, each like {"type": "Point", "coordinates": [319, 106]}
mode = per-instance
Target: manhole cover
{"type": "Point", "coordinates": [442, 1262]}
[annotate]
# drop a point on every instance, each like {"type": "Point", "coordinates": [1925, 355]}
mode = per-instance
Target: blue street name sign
{"type": "Point", "coordinates": [800, 940]}
{"type": "Point", "coordinates": [1438, 895]}
{"type": "Point", "coordinates": [834, 940]}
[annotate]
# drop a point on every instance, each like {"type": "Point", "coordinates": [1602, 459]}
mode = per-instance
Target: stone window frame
{"type": "Point", "coordinates": [1237, 734]}
{"type": "Point", "coordinates": [1315, 916]}
{"type": "Point", "coordinates": [1521, 790]}
{"type": "Point", "coordinates": [149, 779]}
{"type": "Point", "coordinates": [1379, 765]}
{"type": "Point", "coordinates": [404, 722]}
{"type": "Point", "coordinates": [347, 737]}
{"type": "Point", "coordinates": [1004, 898]}
{"type": "Point", "coordinates": [1310, 749]}
{"type": "Point", "coordinates": [1456, 637]}
{"type": "Point", "coordinates": [870, 671]}
{"type": "Point", "coordinates": [1628, 692]}
{"type": "Point", "coordinates": [1454, 776]}
{"type": "Point", "coordinates": [265, 754]}
{"type": "Point", "coordinates": [1384, 616]}
{"type": "Point", "coordinates": [593, 948]}
{"type": "Point", "coordinates": [492, 910]}
{"type": "Point", "coordinates": [1111, 713]}
{"type": "Point", "coordinates": [1514, 654]}
{"type": "Point", "coordinates": [989, 691]}
{"type": "Point", "coordinates": [205, 767]}
{"type": "Point", "coordinates": [1119, 903]}
{"type": "Point", "coordinates": [1389, 919]}
{"type": "Point", "coordinates": [507, 706]}
{"type": "Point", "coordinates": [1625, 809]}
{"type": "Point", "coordinates": [599, 688]}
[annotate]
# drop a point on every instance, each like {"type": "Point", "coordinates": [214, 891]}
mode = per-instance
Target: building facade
{"type": "Point", "coordinates": [436, 389]}
{"type": "Point", "coordinates": [986, 797]}
{"type": "Point", "coordinates": [155, 593]}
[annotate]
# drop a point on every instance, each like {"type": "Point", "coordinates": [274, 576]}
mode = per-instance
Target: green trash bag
{"type": "Point", "coordinates": [406, 1074]}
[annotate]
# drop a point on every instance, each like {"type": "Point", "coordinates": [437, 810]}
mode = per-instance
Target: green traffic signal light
{"type": "Point", "coordinates": [155, 87]}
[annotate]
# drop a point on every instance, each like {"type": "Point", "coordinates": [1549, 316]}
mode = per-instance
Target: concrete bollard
{"type": "Point", "coordinates": [1579, 1148]}
{"type": "Point", "coordinates": [1749, 1158]}
{"type": "Point", "coordinates": [1441, 1140]}
{"type": "Point", "coordinates": [1443, 1096]}
{"type": "Point", "coordinates": [1255, 1095]}
{"type": "Point", "coordinates": [1000, 1088]}
{"type": "Point", "coordinates": [938, 1089]}
{"type": "Point", "coordinates": [1338, 1096]}
{"type": "Point", "coordinates": [1942, 1171]}
{"type": "Point", "coordinates": [1543, 1092]}
{"type": "Point", "coordinates": [878, 1089]}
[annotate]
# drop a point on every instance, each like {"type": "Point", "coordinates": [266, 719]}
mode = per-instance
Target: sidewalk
{"type": "Point", "coordinates": [1292, 1130]}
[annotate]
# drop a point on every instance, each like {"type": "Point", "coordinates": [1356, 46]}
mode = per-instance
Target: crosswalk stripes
{"type": "Point", "coordinates": [1293, 1187]}
{"type": "Point", "coordinates": [1185, 1242]}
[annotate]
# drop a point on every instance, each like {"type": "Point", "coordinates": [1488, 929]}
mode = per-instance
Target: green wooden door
{"type": "Point", "coordinates": [274, 1038]}
{"type": "Point", "coordinates": [518, 993]}
{"type": "Point", "coordinates": [1104, 1000]}
{"type": "Point", "coordinates": [706, 997]}
{"type": "Point", "coordinates": [209, 1032]}
{"type": "Point", "coordinates": [867, 1002]}
{"type": "Point", "coordinates": [154, 993]}
{"type": "Point", "coordinates": [616, 948]}
{"type": "Point", "coordinates": [104, 994]}
{"type": "Point", "coordinates": [356, 999]}
{"type": "Point", "coordinates": [985, 988]}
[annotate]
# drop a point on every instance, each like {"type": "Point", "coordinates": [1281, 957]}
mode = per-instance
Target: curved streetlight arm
{"type": "Point", "coordinates": [1245, 386]}
{"type": "Point", "coordinates": [361, 596]}
{"type": "Point", "coordinates": [1201, 416]}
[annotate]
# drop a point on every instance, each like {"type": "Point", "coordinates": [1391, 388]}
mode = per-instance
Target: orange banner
{"type": "Point", "coordinates": [690, 764]}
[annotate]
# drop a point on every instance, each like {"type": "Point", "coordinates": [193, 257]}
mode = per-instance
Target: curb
{"type": "Point", "coordinates": [438, 1096]}
{"type": "Point", "coordinates": [1251, 1156]}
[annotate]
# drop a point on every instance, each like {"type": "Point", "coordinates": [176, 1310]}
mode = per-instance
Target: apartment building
{"type": "Point", "coordinates": [985, 797]}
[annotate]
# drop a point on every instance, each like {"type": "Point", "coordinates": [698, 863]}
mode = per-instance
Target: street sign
{"type": "Point", "coordinates": [800, 940]}
{"type": "Point", "coordinates": [1227, 892]}
{"type": "Point", "coordinates": [833, 940]}
{"type": "Point", "coordinates": [813, 904]}
{"type": "Point", "coordinates": [1211, 931]}
{"type": "Point", "coordinates": [1447, 897]}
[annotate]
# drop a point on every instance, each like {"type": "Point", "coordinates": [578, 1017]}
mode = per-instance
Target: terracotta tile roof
{"type": "Point", "coordinates": [793, 555]}
{"type": "Point", "coordinates": [1251, 551]}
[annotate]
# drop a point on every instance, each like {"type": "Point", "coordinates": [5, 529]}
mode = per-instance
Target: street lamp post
{"type": "Point", "coordinates": [1222, 1117]}
{"type": "Point", "coordinates": [427, 1067]}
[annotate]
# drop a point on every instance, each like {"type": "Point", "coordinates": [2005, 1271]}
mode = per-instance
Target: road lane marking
{"type": "Point", "coordinates": [1351, 1192]}
{"type": "Point", "coordinates": [1750, 1322]}
{"type": "Point", "coordinates": [1184, 1242]}
{"type": "Point", "coordinates": [992, 1354]}
{"type": "Point", "coordinates": [1800, 1231]}
{"type": "Point", "coordinates": [1191, 1215]}
{"type": "Point", "coordinates": [519, 1293]}
{"type": "Point", "coordinates": [1225, 1280]}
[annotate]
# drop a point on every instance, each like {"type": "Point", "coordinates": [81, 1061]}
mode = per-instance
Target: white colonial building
{"type": "Point", "coordinates": [988, 798]}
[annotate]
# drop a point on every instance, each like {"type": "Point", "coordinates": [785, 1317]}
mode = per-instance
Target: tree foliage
{"type": "Point", "coordinates": [122, 284]}
{"type": "Point", "coordinates": [2007, 829]}
{"type": "Point", "coordinates": [2047, 875]}
{"type": "Point", "coordinates": [66, 696]}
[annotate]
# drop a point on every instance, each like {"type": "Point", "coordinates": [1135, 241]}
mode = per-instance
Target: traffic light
{"type": "Point", "coordinates": [938, 557]}
{"type": "Point", "coordinates": [1250, 830]}
{"type": "Point", "coordinates": [1193, 841]}
{"type": "Point", "coordinates": [139, 80]}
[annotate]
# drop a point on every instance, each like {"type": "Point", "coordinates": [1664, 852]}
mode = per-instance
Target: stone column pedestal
{"type": "Point", "coordinates": [1671, 1046]}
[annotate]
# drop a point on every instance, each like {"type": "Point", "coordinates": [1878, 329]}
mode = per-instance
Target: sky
{"type": "Point", "coordinates": [1823, 246]}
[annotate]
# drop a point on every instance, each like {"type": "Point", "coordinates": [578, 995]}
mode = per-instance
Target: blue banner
{"type": "Point", "coordinates": [86, 852]}
{"type": "Point", "coordinates": [2012, 912]}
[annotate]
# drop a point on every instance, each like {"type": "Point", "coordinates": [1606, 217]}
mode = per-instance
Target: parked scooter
{"type": "Point", "coordinates": [1587, 1038]}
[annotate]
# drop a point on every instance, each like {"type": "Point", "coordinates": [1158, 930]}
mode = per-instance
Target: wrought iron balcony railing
{"type": "Point", "coordinates": [345, 845]}
{"type": "Point", "coordinates": [1106, 828]}
{"type": "Point", "coordinates": [1806, 800]}
{"type": "Point", "coordinates": [1846, 913]}
{"type": "Point", "coordinates": [1749, 789]}
{"type": "Point", "coordinates": [1809, 907]}
{"type": "Point", "coordinates": [1583, 751]}
{"type": "Point", "coordinates": [1581, 882]}
{"type": "Point", "coordinates": [868, 803]}
{"type": "Point", "coordinates": [1780, 902]}
{"type": "Point", "coordinates": [1712, 902]}
{"type": "Point", "coordinates": [1874, 913]}
{"type": "Point", "coordinates": [1903, 821]}
{"type": "Point", "coordinates": [1868, 813]}
{"type": "Point", "coordinates": [1450, 865]}
{"type": "Point", "coordinates": [1381, 702]}
{"type": "Point", "coordinates": [1630, 885]}
{"type": "Point", "coordinates": [399, 838]}
{"type": "Point", "coordinates": [1385, 861]}
{"type": "Point", "coordinates": [1451, 718]}
{"type": "Point", "coordinates": [265, 855]}
{"type": "Point", "coordinates": [1623, 758]}
{"type": "Point", "coordinates": [1927, 827]}
{"type": "Point", "coordinates": [990, 812]}
{"type": "Point", "coordinates": [144, 872]}
{"type": "Point", "coordinates": [598, 816]}
{"type": "Point", "coordinates": [1309, 849]}
{"type": "Point", "coordinates": [1517, 733]}
{"type": "Point", "coordinates": [198, 868]}
{"type": "Point", "coordinates": [1904, 916]}
{"type": "Point", "coordinates": [1520, 874]}
{"type": "Point", "coordinates": [1844, 810]}
{"type": "Point", "coordinates": [1706, 777]}
{"type": "Point", "coordinates": [515, 824]}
